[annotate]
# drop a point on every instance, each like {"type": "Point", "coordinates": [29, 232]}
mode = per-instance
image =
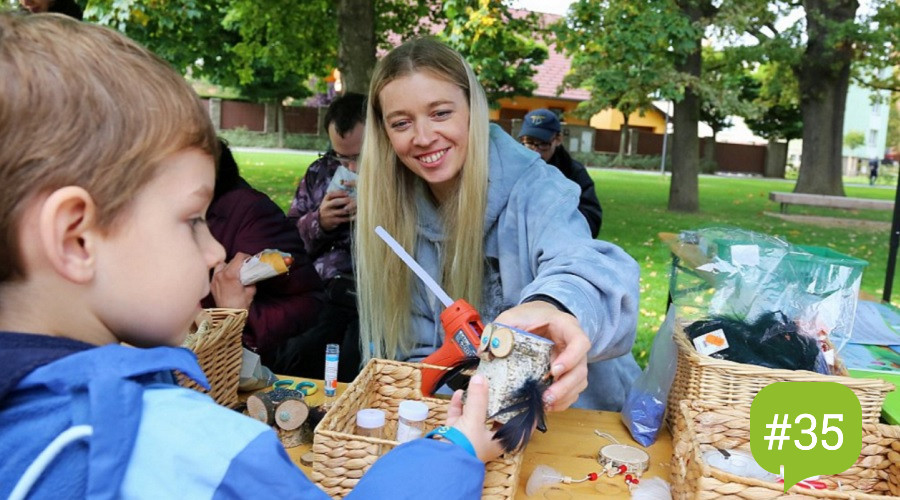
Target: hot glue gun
{"type": "Point", "coordinates": [461, 322]}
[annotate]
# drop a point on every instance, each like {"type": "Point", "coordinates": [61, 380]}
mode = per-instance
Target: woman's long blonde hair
{"type": "Point", "coordinates": [386, 198]}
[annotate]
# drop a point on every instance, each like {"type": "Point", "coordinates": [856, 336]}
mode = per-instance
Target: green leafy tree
{"type": "Point", "coordinates": [501, 47]}
{"type": "Point", "coordinates": [260, 48]}
{"type": "Point", "coordinates": [772, 89]}
{"type": "Point", "coordinates": [835, 43]}
{"type": "Point", "coordinates": [722, 93]}
{"type": "Point", "coordinates": [854, 139]}
{"type": "Point", "coordinates": [620, 54]}
{"type": "Point", "coordinates": [893, 131]}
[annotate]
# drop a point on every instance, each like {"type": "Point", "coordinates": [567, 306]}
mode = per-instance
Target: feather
{"type": "Point", "coordinates": [455, 377]}
{"type": "Point", "coordinates": [316, 414]}
{"type": "Point", "coordinates": [515, 433]}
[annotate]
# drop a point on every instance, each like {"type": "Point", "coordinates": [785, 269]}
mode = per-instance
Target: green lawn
{"type": "Point", "coordinates": [634, 212]}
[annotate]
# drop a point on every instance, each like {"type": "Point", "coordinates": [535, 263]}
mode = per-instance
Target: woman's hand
{"type": "Point", "coordinates": [226, 286]}
{"type": "Point", "coordinates": [337, 207]}
{"type": "Point", "coordinates": [470, 420]}
{"type": "Point", "coordinates": [569, 357]}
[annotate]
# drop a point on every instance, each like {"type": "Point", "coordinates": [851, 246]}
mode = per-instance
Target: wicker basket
{"type": "Point", "coordinates": [703, 378]}
{"type": "Point", "coordinates": [702, 427]}
{"type": "Point", "coordinates": [341, 457]}
{"type": "Point", "coordinates": [219, 355]}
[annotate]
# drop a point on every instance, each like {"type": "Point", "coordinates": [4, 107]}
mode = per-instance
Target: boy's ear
{"type": "Point", "coordinates": [66, 216]}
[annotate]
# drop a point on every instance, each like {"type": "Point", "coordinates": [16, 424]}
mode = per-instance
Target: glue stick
{"type": "Point", "coordinates": [331, 369]}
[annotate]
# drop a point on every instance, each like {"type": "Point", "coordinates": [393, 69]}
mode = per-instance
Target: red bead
{"type": "Point", "coordinates": [635, 481]}
{"type": "Point", "coordinates": [622, 469]}
{"type": "Point", "coordinates": [592, 476]}
{"type": "Point", "coordinates": [628, 477]}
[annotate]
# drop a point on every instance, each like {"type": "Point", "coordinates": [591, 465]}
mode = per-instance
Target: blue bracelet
{"type": "Point", "coordinates": [453, 435]}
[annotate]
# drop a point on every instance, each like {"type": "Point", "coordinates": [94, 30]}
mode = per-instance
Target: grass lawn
{"type": "Point", "coordinates": [634, 212]}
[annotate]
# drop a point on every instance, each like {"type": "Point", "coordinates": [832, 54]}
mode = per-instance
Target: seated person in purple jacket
{"type": "Point", "coordinates": [245, 221]}
{"type": "Point", "coordinates": [323, 220]}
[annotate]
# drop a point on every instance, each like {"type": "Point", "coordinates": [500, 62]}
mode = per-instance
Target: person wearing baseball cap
{"type": "Point", "coordinates": [541, 132]}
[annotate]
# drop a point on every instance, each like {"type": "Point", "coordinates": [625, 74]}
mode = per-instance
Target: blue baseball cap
{"type": "Point", "coordinates": [541, 124]}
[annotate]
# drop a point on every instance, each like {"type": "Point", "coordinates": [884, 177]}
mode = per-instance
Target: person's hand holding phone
{"type": "Point", "coordinates": [337, 207]}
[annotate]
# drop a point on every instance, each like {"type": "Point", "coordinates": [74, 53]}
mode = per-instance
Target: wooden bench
{"type": "Point", "coordinates": [821, 200]}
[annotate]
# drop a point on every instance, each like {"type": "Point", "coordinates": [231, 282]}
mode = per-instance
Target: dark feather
{"type": "Point", "coordinates": [316, 414]}
{"type": "Point", "coordinates": [455, 377]}
{"type": "Point", "coordinates": [529, 404]}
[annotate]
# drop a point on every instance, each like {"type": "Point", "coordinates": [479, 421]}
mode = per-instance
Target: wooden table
{"type": "Point", "coordinates": [569, 446]}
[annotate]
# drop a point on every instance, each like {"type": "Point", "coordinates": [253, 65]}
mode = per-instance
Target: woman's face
{"type": "Point", "coordinates": [427, 122]}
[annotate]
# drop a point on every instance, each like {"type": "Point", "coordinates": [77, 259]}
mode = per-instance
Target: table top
{"type": "Point", "coordinates": [570, 446]}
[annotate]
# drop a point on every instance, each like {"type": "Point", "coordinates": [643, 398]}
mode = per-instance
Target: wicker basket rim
{"type": "Point", "coordinates": [684, 409]}
{"type": "Point", "coordinates": [685, 347]}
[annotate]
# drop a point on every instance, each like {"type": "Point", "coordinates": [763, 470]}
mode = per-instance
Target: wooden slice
{"type": "Point", "coordinates": [261, 407]}
{"type": "Point", "coordinates": [291, 413]}
{"type": "Point", "coordinates": [502, 342]}
{"type": "Point", "coordinates": [485, 340]}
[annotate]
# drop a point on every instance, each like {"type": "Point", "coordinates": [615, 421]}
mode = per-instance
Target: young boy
{"type": "Point", "coordinates": [106, 172]}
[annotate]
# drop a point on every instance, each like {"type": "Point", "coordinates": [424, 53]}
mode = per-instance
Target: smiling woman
{"type": "Point", "coordinates": [490, 220]}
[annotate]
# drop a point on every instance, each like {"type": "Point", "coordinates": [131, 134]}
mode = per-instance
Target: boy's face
{"type": "Point", "coordinates": [153, 269]}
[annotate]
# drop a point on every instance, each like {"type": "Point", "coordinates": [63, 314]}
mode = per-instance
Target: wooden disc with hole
{"type": "Point", "coordinates": [291, 413]}
{"type": "Point", "coordinates": [261, 407]}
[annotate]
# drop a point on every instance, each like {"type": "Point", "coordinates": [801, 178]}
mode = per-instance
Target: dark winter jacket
{"type": "Point", "coordinates": [246, 220]}
{"type": "Point", "coordinates": [588, 204]}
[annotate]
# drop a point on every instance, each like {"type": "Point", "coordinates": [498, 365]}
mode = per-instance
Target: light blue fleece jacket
{"type": "Point", "coordinates": [124, 430]}
{"type": "Point", "coordinates": [538, 243]}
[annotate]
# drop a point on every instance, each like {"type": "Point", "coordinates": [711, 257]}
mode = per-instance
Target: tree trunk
{"type": "Point", "coordinates": [356, 44]}
{"type": "Point", "coordinates": [709, 149]}
{"type": "Point", "coordinates": [281, 127]}
{"type": "Point", "coordinates": [270, 119]}
{"type": "Point", "coordinates": [683, 191]}
{"type": "Point", "coordinates": [776, 159]}
{"type": "Point", "coordinates": [824, 77]}
{"type": "Point", "coordinates": [623, 139]}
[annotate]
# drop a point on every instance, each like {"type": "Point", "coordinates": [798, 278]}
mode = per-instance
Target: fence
{"type": "Point", "coordinates": [739, 158]}
{"type": "Point", "coordinates": [228, 115]}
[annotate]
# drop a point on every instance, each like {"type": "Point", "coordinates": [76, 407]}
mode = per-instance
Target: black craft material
{"type": "Point", "coordinates": [771, 341]}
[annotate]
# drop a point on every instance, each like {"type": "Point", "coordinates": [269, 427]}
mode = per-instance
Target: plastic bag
{"type": "Point", "coordinates": [645, 405]}
{"type": "Point", "coordinates": [254, 375]}
{"type": "Point", "coordinates": [745, 275]}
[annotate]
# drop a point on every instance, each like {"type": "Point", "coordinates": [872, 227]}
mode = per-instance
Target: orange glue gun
{"type": "Point", "coordinates": [461, 322]}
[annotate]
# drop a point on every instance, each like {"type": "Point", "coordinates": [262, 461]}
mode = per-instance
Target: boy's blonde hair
{"type": "Point", "coordinates": [82, 105]}
{"type": "Point", "coordinates": [387, 197]}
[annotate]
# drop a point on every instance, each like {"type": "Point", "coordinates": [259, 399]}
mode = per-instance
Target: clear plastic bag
{"type": "Point", "coordinates": [645, 405]}
{"type": "Point", "coordinates": [744, 275]}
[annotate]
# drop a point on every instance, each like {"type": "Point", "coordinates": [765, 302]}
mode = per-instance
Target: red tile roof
{"type": "Point", "coordinates": [550, 73]}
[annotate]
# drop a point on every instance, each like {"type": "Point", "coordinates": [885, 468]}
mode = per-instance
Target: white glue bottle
{"type": "Point", "coordinates": [411, 421]}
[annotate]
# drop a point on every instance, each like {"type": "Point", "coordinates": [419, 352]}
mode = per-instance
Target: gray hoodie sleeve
{"type": "Point", "coordinates": [595, 280]}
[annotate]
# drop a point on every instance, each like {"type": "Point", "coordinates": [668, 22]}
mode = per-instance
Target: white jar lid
{"type": "Point", "coordinates": [370, 418]}
{"type": "Point", "coordinates": [413, 410]}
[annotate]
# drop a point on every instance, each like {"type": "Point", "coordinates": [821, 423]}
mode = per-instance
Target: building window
{"type": "Point", "coordinates": [873, 138]}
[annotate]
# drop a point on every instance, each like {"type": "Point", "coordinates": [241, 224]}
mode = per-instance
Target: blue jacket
{"type": "Point", "coordinates": [123, 429]}
{"type": "Point", "coordinates": [538, 243]}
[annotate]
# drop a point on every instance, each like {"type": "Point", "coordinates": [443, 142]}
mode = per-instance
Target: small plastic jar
{"type": "Point", "coordinates": [370, 423]}
{"type": "Point", "coordinates": [411, 421]}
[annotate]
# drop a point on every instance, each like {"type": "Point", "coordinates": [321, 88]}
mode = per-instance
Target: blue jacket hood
{"type": "Point", "coordinates": [21, 354]}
